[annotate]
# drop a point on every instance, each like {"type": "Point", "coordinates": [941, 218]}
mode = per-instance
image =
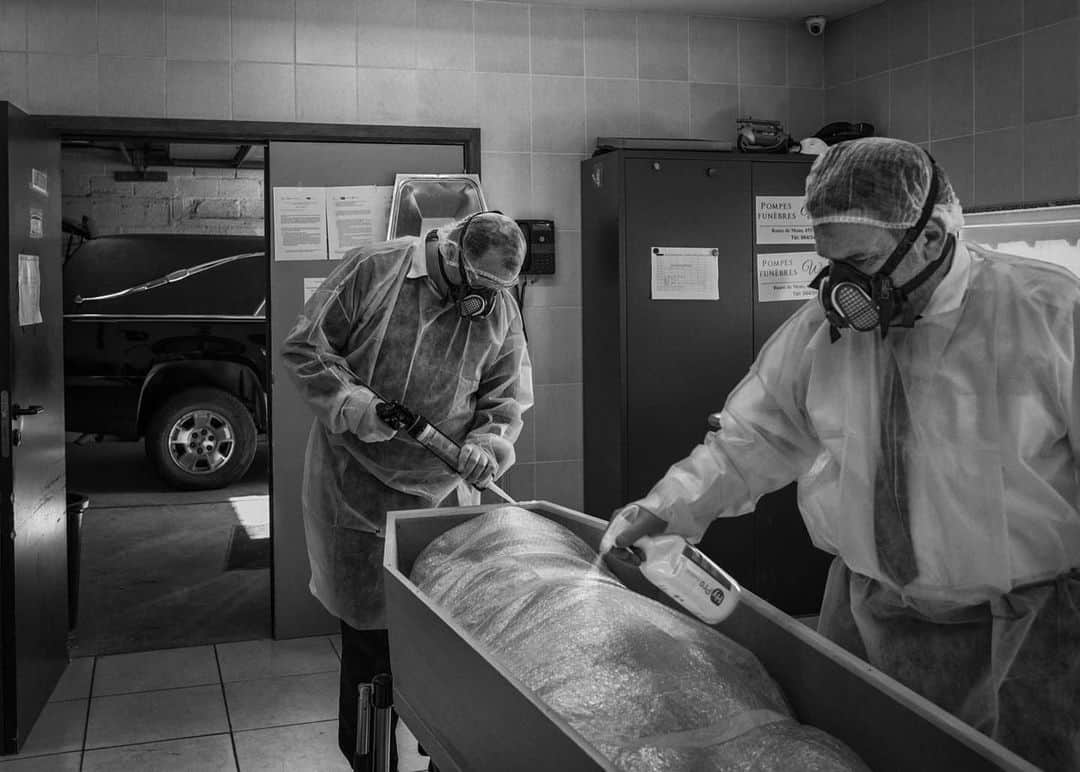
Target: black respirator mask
{"type": "Point", "coordinates": [472, 302]}
{"type": "Point", "coordinates": [866, 302]}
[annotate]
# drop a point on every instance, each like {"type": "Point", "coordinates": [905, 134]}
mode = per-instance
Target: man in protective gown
{"type": "Point", "coordinates": [928, 404]}
{"type": "Point", "coordinates": [430, 323]}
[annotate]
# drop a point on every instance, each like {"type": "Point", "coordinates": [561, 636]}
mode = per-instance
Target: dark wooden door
{"type": "Point", "coordinates": [33, 526]}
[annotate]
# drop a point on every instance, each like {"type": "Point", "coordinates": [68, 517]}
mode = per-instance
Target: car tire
{"type": "Point", "coordinates": [201, 439]}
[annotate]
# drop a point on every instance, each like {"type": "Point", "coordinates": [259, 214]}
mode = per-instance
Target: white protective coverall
{"type": "Point", "coordinates": [378, 321]}
{"type": "Point", "coordinates": [990, 627]}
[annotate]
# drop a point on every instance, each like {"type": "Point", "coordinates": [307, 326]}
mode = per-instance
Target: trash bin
{"type": "Point", "coordinates": [76, 505]}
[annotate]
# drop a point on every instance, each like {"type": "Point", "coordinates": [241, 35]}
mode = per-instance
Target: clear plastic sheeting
{"type": "Point", "coordinates": [649, 687]}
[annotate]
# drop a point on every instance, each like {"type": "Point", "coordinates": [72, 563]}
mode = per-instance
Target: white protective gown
{"type": "Point", "coordinates": [377, 321]}
{"type": "Point", "coordinates": [990, 627]}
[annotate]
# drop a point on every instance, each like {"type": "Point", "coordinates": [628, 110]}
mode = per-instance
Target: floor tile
{"type": "Point", "coordinates": [67, 762]}
{"type": "Point", "coordinates": [59, 729]}
{"type": "Point", "coordinates": [336, 641]}
{"type": "Point", "coordinates": [75, 682]}
{"type": "Point", "coordinates": [194, 754]}
{"type": "Point", "coordinates": [147, 671]}
{"type": "Point", "coordinates": [309, 746]}
{"type": "Point", "coordinates": [280, 701]}
{"type": "Point", "coordinates": [249, 660]}
{"type": "Point", "coordinates": [149, 716]}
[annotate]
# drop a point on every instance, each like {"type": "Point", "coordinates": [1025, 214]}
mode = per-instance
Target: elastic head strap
{"type": "Point", "coordinates": [916, 229]}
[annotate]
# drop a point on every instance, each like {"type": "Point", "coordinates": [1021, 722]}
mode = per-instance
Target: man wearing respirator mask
{"type": "Point", "coordinates": [427, 322]}
{"type": "Point", "coordinates": [928, 403]}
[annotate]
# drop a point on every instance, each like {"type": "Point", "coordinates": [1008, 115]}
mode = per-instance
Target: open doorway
{"type": "Point", "coordinates": [165, 288]}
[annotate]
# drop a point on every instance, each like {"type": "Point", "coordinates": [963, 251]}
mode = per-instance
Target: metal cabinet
{"type": "Point", "coordinates": [654, 370]}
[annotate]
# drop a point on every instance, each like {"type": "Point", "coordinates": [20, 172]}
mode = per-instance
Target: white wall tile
{"type": "Point", "coordinates": [386, 95]}
{"type": "Point", "coordinates": [325, 94]}
{"type": "Point", "coordinates": [131, 27]}
{"type": "Point", "coordinates": [264, 30]}
{"type": "Point", "coordinates": [558, 422]}
{"type": "Point", "coordinates": [326, 32]}
{"type": "Point", "coordinates": [611, 108]}
{"type": "Point", "coordinates": [13, 24]}
{"type": "Point", "coordinates": [197, 29]}
{"type": "Point", "coordinates": [506, 179]}
{"type": "Point", "coordinates": [556, 189]}
{"type": "Point", "coordinates": [131, 86]}
{"type": "Point", "coordinates": [713, 110]}
{"type": "Point", "coordinates": [555, 346]}
{"type": "Point", "coordinates": [764, 102]}
{"type": "Point", "coordinates": [62, 28]}
{"type": "Point", "coordinates": [561, 482]}
{"type": "Point", "coordinates": [63, 84]}
{"type": "Point", "coordinates": [714, 50]}
{"type": "Point", "coordinates": [263, 91]}
{"type": "Point", "coordinates": [444, 35]}
{"type": "Point", "coordinates": [665, 109]}
{"type": "Point", "coordinates": [663, 46]}
{"type": "Point", "coordinates": [502, 37]}
{"type": "Point", "coordinates": [558, 114]}
{"type": "Point", "coordinates": [13, 78]}
{"type": "Point", "coordinates": [557, 40]}
{"type": "Point", "coordinates": [503, 103]}
{"type": "Point", "coordinates": [610, 44]}
{"type": "Point", "coordinates": [197, 89]}
{"type": "Point", "coordinates": [446, 97]}
{"type": "Point", "coordinates": [387, 34]}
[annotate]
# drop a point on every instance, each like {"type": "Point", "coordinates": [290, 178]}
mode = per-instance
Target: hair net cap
{"type": "Point", "coordinates": [878, 181]}
{"type": "Point", "coordinates": [494, 247]}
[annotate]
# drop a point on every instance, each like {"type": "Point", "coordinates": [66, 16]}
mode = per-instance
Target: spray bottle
{"type": "Point", "coordinates": [678, 569]}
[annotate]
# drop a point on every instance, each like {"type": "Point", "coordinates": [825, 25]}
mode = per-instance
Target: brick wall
{"type": "Point", "coordinates": [213, 201]}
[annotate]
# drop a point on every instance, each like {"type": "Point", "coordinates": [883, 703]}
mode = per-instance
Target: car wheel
{"type": "Point", "coordinates": [201, 439]}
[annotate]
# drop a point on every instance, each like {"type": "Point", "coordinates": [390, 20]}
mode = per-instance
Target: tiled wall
{"type": "Point", "coordinates": [201, 201]}
{"type": "Point", "coordinates": [990, 85]}
{"type": "Point", "coordinates": [540, 81]}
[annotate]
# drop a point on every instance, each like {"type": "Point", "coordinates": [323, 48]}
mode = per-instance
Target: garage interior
{"type": "Point", "coordinates": [162, 567]}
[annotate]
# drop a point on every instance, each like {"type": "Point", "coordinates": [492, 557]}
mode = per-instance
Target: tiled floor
{"type": "Point", "coordinates": [252, 705]}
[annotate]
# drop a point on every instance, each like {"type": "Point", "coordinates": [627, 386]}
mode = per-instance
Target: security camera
{"type": "Point", "coordinates": [815, 25]}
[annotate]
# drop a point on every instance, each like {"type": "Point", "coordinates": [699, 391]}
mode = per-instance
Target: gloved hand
{"type": "Point", "coordinates": [475, 465]}
{"type": "Point", "coordinates": [367, 425]}
{"type": "Point", "coordinates": [628, 525]}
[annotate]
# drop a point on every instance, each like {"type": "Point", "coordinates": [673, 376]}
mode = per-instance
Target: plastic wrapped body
{"type": "Point", "coordinates": [648, 687]}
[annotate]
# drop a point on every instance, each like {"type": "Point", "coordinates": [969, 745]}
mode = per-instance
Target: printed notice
{"type": "Point", "coordinates": [311, 283]}
{"type": "Point", "coordinates": [685, 273]}
{"type": "Point", "coordinates": [357, 216]}
{"type": "Point", "coordinates": [29, 290]}
{"type": "Point", "coordinates": [300, 224]}
{"type": "Point", "coordinates": [787, 275]}
{"type": "Point", "coordinates": [428, 224]}
{"type": "Point", "coordinates": [783, 220]}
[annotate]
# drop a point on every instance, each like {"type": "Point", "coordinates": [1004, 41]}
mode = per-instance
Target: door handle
{"type": "Point", "coordinates": [19, 412]}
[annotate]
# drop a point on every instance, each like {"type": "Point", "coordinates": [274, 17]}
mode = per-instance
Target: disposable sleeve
{"type": "Point", "coordinates": [763, 444]}
{"type": "Point", "coordinates": [504, 394]}
{"type": "Point", "coordinates": [312, 351]}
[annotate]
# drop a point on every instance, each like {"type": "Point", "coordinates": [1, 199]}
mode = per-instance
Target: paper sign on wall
{"type": "Point", "coordinates": [685, 273]}
{"type": "Point", "coordinates": [311, 283]}
{"type": "Point", "coordinates": [300, 224]}
{"type": "Point", "coordinates": [37, 224]}
{"type": "Point", "coordinates": [783, 220]}
{"type": "Point", "coordinates": [29, 290]}
{"type": "Point", "coordinates": [356, 216]}
{"type": "Point", "coordinates": [786, 275]}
